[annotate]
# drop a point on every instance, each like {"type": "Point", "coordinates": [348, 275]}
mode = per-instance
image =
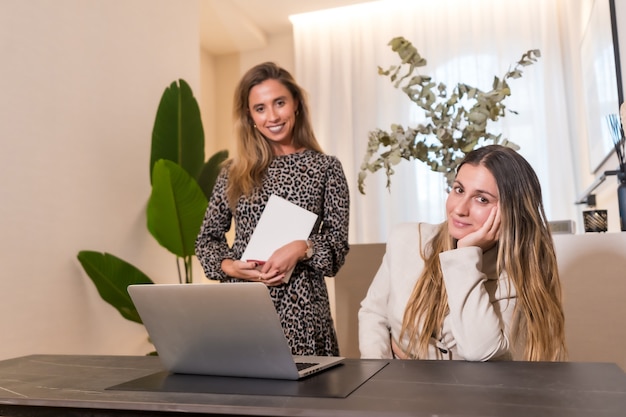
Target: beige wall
{"type": "Point", "coordinates": [207, 100]}
{"type": "Point", "coordinates": [80, 82]}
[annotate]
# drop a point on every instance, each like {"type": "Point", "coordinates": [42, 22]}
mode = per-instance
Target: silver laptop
{"type": "Point", "coordinates": [226, 329]}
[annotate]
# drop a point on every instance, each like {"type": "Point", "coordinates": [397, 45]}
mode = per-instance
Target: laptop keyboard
{"type": "Point", "coordinates": [304, 365]}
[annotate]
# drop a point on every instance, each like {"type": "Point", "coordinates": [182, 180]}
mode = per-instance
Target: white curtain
{"type": "Point", "coordinates": [337, 53]}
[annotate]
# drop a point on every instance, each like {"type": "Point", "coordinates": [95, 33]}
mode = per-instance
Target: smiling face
{"type": "Point", "coordinates": [273, 110]}
{"type": "Point", "coordinates": [474, 193]}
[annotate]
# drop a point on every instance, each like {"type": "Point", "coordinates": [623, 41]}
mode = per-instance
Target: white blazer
{"type": "Point", "coordinates": [481, 304]}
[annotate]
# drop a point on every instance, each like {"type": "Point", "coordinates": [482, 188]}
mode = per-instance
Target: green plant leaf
{"type": "Point", "coordinates": [177, 134]}
{"type": "Point", "coordinates": [176, 208]}
{"type": "Point", "coordinates": [177, 204]}
{"type": "Point", "coordinates": [210, 171]}
{"type": "Point", "coordinates": [111, 276]}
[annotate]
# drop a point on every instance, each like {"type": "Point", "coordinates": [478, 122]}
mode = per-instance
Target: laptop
{"type": "Point", "coordinates": [226, 329]}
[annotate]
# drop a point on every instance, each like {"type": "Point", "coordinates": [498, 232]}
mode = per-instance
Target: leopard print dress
{"type": "Point", "coordinates": [317, 183]}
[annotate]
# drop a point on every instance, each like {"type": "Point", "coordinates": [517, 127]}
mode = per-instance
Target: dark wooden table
{"type": "Point", "coordinates": [59, 385]}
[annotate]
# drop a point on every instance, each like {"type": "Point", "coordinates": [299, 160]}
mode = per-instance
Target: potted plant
{"type": "Point", "coordinates": [455, 122]}
{"type": "Point", "coordinates": [182, 183]}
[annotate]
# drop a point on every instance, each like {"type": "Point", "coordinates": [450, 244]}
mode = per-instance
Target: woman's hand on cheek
{"type": "Point", "coordinates": [487, 235]}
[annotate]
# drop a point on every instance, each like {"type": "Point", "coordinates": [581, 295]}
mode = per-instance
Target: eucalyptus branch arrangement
{"type": "Point", "coordinates": [454, 122]}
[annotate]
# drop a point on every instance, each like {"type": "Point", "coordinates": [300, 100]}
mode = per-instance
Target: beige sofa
{"type": "Point", "coordinates": [593, 272]}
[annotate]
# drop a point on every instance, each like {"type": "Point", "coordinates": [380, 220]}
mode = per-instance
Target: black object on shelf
{"type": "Point", "coordinates": [621, 200]}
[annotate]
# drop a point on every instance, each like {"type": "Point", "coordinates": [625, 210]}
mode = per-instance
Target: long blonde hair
{"type": "Point", "coordinates": [526, 256]}
{"type": "Point", "coordinates": [254, 154]}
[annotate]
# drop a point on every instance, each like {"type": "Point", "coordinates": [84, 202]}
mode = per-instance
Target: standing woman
{"type": "Point", "coordinates": [482, 285]}
{"type": "Point", "coordinates": [277, 153]}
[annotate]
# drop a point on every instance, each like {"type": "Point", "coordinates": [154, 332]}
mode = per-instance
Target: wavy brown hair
{"type": "Point", "coordinates": [526, 256]}
{"type": "Point", "coordinates": [253, 153]}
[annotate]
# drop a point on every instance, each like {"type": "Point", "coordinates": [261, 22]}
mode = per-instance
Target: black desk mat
{"type": "Point", "coordinates": [337, 382]}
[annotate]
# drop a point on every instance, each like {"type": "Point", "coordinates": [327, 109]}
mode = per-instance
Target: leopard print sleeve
{"type": "Point", "coordinates": [211, 244]}
{"type": "Point", "coordinates": [331, 243]}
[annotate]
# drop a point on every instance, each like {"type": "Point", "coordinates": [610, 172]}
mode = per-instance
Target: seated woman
{"type": "Point", "coordinates": [483, 285]}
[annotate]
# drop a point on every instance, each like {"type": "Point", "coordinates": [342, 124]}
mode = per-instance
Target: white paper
{"type": "Point", "coordinates": [281, 222]}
